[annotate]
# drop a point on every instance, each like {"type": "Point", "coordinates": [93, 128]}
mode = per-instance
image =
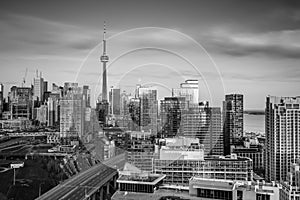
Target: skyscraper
{"type": "Point", "coordinates": [72, 113]}
{"type": "Point", "coordinates": [53, 109]}
{"type": "Point", "coordinates": [282, 127]}
{"type": "Point", "coordinates": [205, 123]}
{"type": "Point", "coordinates": [233, 120]}
{"type": "Point", "coordinates": [1, 99]}
{"type": "Point", "coordinates": [148, 109]}
{"type": "Point", "coordinates": [38, 87]}
{"type": "Point", "coordinates": [189, 89]}
{"type": "Point", "coordinates": [171, 110]}
{"type": "Point", "coordinates": [87, 95]}
{"type": "Point", "coordinates": [20, 102]}
{"type": "Point", "coordinates": [115, 101]}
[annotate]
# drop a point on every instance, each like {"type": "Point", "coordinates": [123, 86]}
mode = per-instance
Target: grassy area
{"type": "Point", "coordinates": [35, 174]}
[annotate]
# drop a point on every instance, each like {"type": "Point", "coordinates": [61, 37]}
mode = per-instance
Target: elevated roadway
{"type": "Point", "coordinates": [87, 183]}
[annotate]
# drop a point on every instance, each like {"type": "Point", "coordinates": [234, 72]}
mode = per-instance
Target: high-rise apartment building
{"type": "Point", "coordinates": [87, 95]}
{"type": "Point", "coordinates": [148, 109]}
{"type": "Point", "coordinates": [171, 110]}
{"type": "Point", "coordinates": [205, 123]}
{"type": "Point", "coordinates": [20, 102]}
{"type": "Point", "coordinates": [115, 101]}
{"type": "Point", "coordinates": [189, 89]}
{"type": "Point", "coordinates": [233, 120]}
{"type": "Point", "coordinates": [72, 111]}
{"type": "Point", "coordinates": [38, 88]}
{"type": "Point", "coordinates": [1, 99]}
{"type": "Point", "coordinates": [282, 128]}
{"type": "Point", "coordinates": [53, 109]}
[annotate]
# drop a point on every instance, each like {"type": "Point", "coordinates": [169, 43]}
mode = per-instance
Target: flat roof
{"type": "Point", "coordinates": [212, 183]}
{"type": "Point", "coordinates": [152, 179]}
{"type": "Point", "coordinates": [157, 195]}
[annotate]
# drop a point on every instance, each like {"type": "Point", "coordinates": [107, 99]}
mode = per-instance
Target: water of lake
{"type": "Point", "coordinates": [254, 123]}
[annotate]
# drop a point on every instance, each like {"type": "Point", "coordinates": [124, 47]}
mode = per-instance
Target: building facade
{"type": "Point", "coordinates": [290, 189]}
{"type": "Point", "coordinates": [38, 88]}
{"type": "Point", "coordinates": [140, 149]}
{"type": "Point", "coordinates": [190, 90]}
{"type": "Point", "coordinates": [233, 111]}
{"type": "Point", "coordinates": [53, 109]}
{"type": "Point", "coordinates": [20, 102]}
{"type": "Point", "coordinates": [115, 101]}
{"type": "Point", "coordinates": [72, 113]}
{"type": "Point", "coordinates": [282, 128]}
{"type": "Point", "coordinates": [255, 153]}
{"type": "Point", "coordinates": [171, 110]}
{"type": "Point", "coordinates": [205, 123]}
{"type": "Point", "coordinates": [232, 190]}
{"type": "Point", "coordinates": [1, 99]}
{"type": "Point", "coordinates": [179, 171]}
{"type": "Point", "coordinates": [148, 109]}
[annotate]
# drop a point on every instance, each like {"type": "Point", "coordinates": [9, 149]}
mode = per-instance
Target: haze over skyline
{"type": "Point", "coordinates": [254, 47]}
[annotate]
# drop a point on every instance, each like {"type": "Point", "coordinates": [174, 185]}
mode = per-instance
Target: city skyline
{"type": "Point", "coordinates": [255, 57]}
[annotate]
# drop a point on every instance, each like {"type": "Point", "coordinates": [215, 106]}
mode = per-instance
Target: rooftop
{"type": "Point", "coordinates": [160, 194]}
{"type": "Point", "coordinates": [142, 178]}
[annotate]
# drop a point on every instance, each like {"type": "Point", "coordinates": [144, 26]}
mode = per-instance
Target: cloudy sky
{"type": "Point", "coordinates": [248, 47]}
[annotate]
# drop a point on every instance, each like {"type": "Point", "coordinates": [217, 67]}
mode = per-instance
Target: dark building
{"type": "Point", "coordinates": [233, 121]}
{"type": "Point", "coordinates": [53, 109]}
{"type": "Point", "coordinates": [102, 111]}
{"type": "Point", "coordinates": [148, 108]}
{"type": "Point", "coordinates": [87, 95]}
{"type": "Point", "coordinates": [20, 102]}
{"type": "Point", "coordinates": [171, 109]}
{"type": "Point", "coordinates": [1, 100]}
{"type": "Point", "coordinates": [115, 101]}
{"type": "Point", "coordinates": [255, 153]}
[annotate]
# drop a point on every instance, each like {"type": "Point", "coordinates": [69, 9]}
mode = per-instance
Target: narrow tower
{"type": "Point", "coordinates": [104, 59]}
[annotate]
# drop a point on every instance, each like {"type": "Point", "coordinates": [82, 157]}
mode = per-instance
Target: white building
{"type": "Point", "coordinates": [282, 148]}
{"type": "Point", "coordinates": [189, 89]}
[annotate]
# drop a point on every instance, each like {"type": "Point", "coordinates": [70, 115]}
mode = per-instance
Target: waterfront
{"type": "Point", "coordinates": [254, 123]}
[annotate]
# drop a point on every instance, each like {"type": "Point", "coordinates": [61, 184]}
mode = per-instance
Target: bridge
{"type": "Point", "coordinates": [95, 183]}
{"type": "Point", "coordinates": [29, 134]}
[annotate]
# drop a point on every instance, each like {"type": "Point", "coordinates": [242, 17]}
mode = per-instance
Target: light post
{"type": "Point", "coordinates": [40, 188]}
{"type": "Point", "coordinates": [14, 176]}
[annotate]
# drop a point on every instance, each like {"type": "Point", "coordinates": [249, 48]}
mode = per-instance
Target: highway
{"type": "Point", "coordinates": [86, 182]}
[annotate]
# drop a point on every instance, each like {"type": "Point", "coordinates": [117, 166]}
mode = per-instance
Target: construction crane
{"type": "Point", "coordinates": [24, 78]}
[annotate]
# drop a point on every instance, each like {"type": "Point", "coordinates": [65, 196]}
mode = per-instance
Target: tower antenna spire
{"type": "Point", "coordinates": [104, 38]}
{"type": "Point", "coordinates": [104, 30]}
{"type": "Point", "coordinates": [104, 59]}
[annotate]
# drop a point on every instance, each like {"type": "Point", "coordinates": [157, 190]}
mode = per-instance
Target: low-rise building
{"type": "Point", "coordinates": [255, 153]}
{"type": "Point", "coordinates": [142, 182]}
{"type": "Point", "coordinates": [232, 189]}
{"type": "Point", "coordinates": [179, 171]}
{"type": "Point", "coordinates": [15, 124]}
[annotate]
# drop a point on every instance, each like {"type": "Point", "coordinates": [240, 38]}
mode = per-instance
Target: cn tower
{"type": "Point", "coordinates": [104, 59]}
